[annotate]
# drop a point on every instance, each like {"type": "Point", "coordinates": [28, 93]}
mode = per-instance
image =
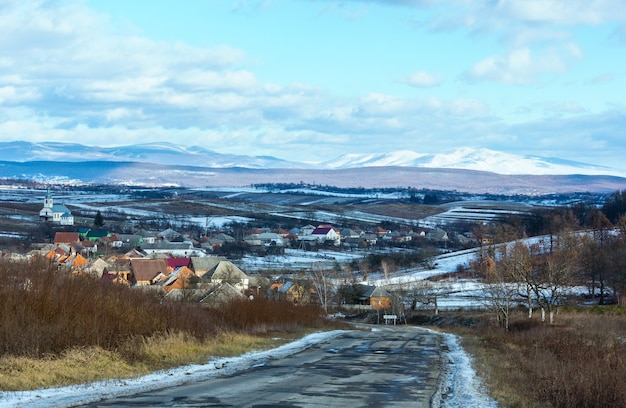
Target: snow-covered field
{"type": "Point", "coordinates": [459, 388]}
{"type": "Point", "coordinates": [298, 259]}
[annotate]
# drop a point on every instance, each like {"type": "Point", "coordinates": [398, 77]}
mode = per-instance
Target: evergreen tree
{"type": "Point", "coordinates": [98, 221]}
{"type": "Point", "coordinates": [615, 206]}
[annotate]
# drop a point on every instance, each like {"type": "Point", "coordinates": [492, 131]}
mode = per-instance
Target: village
{"type": "Point", "coordinates": [215, 268]}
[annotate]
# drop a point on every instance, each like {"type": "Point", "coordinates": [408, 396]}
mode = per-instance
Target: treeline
{"type": "Point", "coordinates": [46, 311]}
{"type": "Point", "coordinates": [580, 246]}
{"type": "Point", "coordinates": [402, 191]}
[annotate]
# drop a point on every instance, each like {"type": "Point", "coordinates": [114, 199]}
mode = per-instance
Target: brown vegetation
{"type": "Point", "coordinates": [579, 362]}
{"type": "Point", "coordinates": [49, 315]}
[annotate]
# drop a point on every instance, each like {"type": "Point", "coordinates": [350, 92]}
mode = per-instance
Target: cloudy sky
{"type": "Point", "coordinates": [310, 80]}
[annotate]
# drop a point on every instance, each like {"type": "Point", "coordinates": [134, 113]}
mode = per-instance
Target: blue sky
{"type": "Point", "coordinates": [309, 80]}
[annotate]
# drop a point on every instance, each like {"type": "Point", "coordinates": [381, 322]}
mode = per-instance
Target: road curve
{"type": "Point", "coordinates": [387, 366]}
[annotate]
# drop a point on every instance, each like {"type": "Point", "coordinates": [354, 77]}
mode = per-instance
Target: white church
{"type": "Point", "coordinates": [57, 213]}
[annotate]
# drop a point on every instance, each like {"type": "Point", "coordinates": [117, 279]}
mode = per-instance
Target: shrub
{"type": "Point", "coordinates": [47, 311]}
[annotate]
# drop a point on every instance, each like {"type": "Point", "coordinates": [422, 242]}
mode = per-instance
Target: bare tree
{"type": "Point", "coordinates": [594, 254]}
{"type": "Point", "coordinates": [389, 266]}
{"type": "Point", "coordinates": [323, 285]}
{"type": "Point", "coordinates": [499, 288]}
{"type": "Point", "coordinates": [428, 293]}
{"type": "Point", "coordinates": [517, 262]}
{"type": "Point", "coordinates": [556, 269]}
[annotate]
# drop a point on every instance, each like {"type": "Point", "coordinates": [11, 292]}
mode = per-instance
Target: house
{"type": "Point", "coordinates": [226, 271]}
{"type": "Point", "coordinates": [66, 237]}
{"type": "Point", "coordinates": [380, 231]}
{"type": "Point", "coordinates": [374, 296]}
{"type": "Point", "coordinates": [89, 247]}
{"type": "Point", "coordinates": [349, 233]}
{"type": "Point", "coordinates": [292, 292]}
{"type": "Point", "coordinates": [203, 264]}
{"type": "Point", "coordinates": [131, 240]}
{"type": "Point", "coordinates": [325, 232]}
{"type": "Point", "coordinates": [175, 263]}
{"type": "Point", "coordinates": [181, 278]}
{"type": "Point", "coordinates": [112, 241]}
{"type": "Point", "coordinates": [222, 294]}
{"type": "Point", "coordinates": [380, 299]}
{"type": "Point", "coordinates": [57, 213]}
{"type": "Point", "coordinates": [73, 262]}
{"type": "Point", "coordinates": [221, 239]}
{"type": "Point", "coordinates": [96, 235]}
{"type": "Point", "coordinates": [370, 238]}
{"type": "Point", "coordinates": [399, 236]}
{"type": "Point", "coordinates": [148, 238]}
{"type": "Point", "coordinates": [307, 230]}
{"type": "Point", "coordinates": [437, 235]}
{"type": "Point", "coordinates": [117, 272]}
{"type": "Point", "coordinates": [181, 249]}
{"type": "Point", "coordinates": [54, 254]}
{"type": "Point", "coordinates": [146, 271]}
{"type": "Point", "coordinates": [169, 235]}
{"type": "Point", "coordinates": [96, 267]}
{"type": "Point", "coordinates": [270, 238]}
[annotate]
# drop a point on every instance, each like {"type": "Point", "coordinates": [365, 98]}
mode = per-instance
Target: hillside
{"type": "Point", "coordinates": [150, 174]}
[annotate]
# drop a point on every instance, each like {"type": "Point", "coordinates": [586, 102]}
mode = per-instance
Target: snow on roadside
{"type": "Point", "coordinates": [93, 392]}
{"type": "Point", "coordinates": [460, 387]}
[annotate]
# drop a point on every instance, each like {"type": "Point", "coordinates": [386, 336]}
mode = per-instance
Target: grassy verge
{"type": "Point", "coordinates": [578, 362]}
{"type": "Point", "coordinates": [83, 365]}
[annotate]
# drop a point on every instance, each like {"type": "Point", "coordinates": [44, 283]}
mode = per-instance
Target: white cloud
{"type": "Point", "coordinates": [522, 66]}
{"type": "Point", "coordinates": [423, 79]}
{"type": "Point", "coordinates": [527, 35]}
{"type": "Point", "coordinates": [67, 73]}
{"type": "Point", "coordinates": [467, 107]}
{"type": "Point", "coordinates": [570, 12]}
{"type": "Point", "coordinates": [11, 95]}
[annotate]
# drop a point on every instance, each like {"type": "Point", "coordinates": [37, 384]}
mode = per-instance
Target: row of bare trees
{"type": "Point", "coordinates": [539, 271]}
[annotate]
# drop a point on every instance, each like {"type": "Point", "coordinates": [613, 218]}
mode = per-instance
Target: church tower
{"type": "Point", "coordinates": [48, 201]}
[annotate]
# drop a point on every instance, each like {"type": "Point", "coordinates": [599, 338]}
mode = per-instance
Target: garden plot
{"type": "Point", "coordinates": [472, 211]}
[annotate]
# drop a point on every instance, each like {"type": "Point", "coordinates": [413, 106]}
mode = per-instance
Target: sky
{"type": "Point", "coordinates": [310, 80]}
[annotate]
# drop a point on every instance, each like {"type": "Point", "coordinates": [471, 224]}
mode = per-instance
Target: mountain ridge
{"type": "Point", "coordinates": [159, 175]}
{"type": "Point", "coordinates": [166, 164]}
{"type": "Point", "coordinates": [168, 153]}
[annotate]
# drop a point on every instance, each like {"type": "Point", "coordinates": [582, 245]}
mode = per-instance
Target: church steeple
{"type": "Point", "coordinates": [48, 201]}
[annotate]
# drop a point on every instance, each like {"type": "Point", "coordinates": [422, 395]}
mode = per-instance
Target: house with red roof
{"type": "Point", "coordinates": [61, 237]}
{"type": "Point", "coordinates": [175, 263]}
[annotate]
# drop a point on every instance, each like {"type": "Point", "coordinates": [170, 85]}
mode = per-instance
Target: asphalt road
{"type": "Point", "coordinates": [389, 366]}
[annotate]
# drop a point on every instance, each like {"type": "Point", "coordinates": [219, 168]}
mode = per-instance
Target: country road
{"type": "Point", "coordinates": [390, 366]}
{"type": "Point", "coordinates": [373, 365]}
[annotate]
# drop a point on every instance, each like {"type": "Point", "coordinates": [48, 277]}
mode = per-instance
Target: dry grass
{"type": "Point", "coordinates": [157, 352]}
{"type": "Point", "coordinates": [58, 329]}
{"type": "Point", "coordinates": [580, 362]}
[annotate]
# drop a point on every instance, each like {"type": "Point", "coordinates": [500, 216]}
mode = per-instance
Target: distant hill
{"type": "Point", "coordinates": [472, 159]}
{"type": "Point", "coordinates": [152, 174]}
{"type": "Point", "coordinates": [158, 153]}
{"type": "Point", "coordinates": [172, 154]}
{"type": "Point", "coordinates": [166, 164]}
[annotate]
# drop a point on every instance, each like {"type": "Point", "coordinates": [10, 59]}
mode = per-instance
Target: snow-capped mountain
{"type": "Point", "coordinates": [472, 159]}
{"type": "Point", "coordinates": [172, 154]}
{"type": "Point", "coordinates": [158, 153]}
